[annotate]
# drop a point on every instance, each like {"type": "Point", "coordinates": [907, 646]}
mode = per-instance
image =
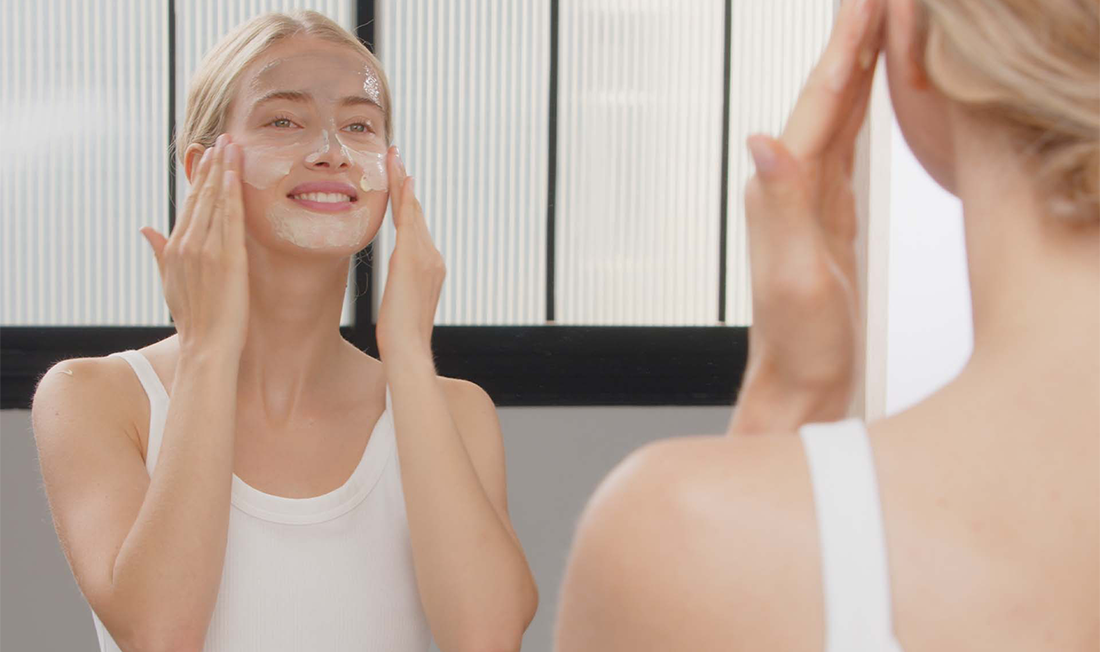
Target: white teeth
{"type": "Point", "coordinates": [324, 197]}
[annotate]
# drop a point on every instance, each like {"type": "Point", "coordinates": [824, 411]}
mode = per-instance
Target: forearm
{"type": "Point", "coordinates": [169, 566]}
{"type": "Point", "coordinates": [474, 581]}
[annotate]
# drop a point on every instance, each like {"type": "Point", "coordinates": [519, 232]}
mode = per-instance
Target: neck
{"type": "Point", "coordinates": [1035, 279]}
{"type": "Point", "coordinates": [293, 341]}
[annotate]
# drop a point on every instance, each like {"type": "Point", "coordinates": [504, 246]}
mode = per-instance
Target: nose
{"type": "Point", "coordinates": [328, 154]}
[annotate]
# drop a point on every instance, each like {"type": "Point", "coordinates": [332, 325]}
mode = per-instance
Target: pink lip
{"type": "Point", "coordinates": [327, 187]}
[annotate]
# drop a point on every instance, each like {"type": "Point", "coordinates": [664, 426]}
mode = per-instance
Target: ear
{"type": "Point", "coordinates": [908, 27]}
{"type": "Point", "coordinates": [191, 159]}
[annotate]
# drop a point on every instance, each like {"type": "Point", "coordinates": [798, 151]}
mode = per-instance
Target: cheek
{"type": "Point", "coordinates": [376, 201]}
{"type": "Point", "coordinates": [257, 206]}
{"type": "Point", "coordinates": [255, 201]}
{"type": "Point", "coordinates": [263, 168]}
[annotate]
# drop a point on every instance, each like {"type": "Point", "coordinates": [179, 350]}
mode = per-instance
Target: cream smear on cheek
{"type": "Point", "coordinates": [266, 166]}
{"type": "Point", "coordinates": [373, 164]}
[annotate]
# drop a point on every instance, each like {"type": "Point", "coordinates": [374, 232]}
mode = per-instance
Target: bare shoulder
{"type": "Point", "coordinates": [80, 392]}
{"type": "Point", "coordinates": [475, 418]}
{"type": "Point", "coordinates": [465, 395]}
{"type": "Point", "coordinates": [696, 543]}
{"type": "Point", "coordinates": [471, 406]}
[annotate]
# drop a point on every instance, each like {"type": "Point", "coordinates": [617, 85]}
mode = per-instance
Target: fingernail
{"type": "Point", "coordinates": [400, 161]}
{"type": "Point", "coordinates": [763, 156]}
{"type": "Point", "coordinates": [206, 154]}
{"type": "Point", "coordinates": [220, 142]}
{"type": "Point", "coordinates": [230, 155]}
{"type": "Point", "coordinates": [412, 185]}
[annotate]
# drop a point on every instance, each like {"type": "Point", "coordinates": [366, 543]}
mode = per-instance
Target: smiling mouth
{"type": "Point", "coordinates": [323, 197]}
{"type": "Point", "coordinates": [324, 202]}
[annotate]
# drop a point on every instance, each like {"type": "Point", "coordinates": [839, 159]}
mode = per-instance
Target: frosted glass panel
{"type": "Point", "coordinates": [83, 161]}
{"type": "Point", "coordinates": [202, 23]}
{"type": "Point", "coordinates": [639, 161]}
{"type": "Point", "coordinates": [774, 44]}
{"type": "Point", "coordinates": [470, 82]}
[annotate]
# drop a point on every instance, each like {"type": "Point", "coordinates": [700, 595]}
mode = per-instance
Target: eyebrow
{"type": "Point", "coordinates": [302, 96]}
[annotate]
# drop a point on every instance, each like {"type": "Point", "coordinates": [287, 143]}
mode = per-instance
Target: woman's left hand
{"type": "Point", "coordinates": [416, 273]}
{"type": "Point", "coordinates": [801, 218]}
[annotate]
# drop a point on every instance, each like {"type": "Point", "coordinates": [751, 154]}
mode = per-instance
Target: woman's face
{"type": "Point", "coordinates": [308, 117]}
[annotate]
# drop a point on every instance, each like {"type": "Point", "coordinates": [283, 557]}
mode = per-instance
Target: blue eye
{"type": "Point", "coordinates": [281, 123]}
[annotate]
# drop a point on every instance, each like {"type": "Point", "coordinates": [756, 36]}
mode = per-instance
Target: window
{"type": "Point", "coordinates": [580, 162]}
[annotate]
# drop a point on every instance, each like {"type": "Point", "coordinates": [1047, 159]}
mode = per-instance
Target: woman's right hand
{"type": "Point", "coordinates": [801, 221]}
{"type": "Point", "coordinates": [203, 263]}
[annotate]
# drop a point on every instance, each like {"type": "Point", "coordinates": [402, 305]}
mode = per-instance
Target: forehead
{"type": "Point", "coordinates": [324, 69]}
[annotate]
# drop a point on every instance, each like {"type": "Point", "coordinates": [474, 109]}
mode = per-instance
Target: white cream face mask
{"type": "Point", "coordinates": [309, 108]}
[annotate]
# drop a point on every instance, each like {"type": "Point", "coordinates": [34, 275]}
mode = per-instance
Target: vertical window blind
{"type": "Point", "coordinates": [83, 164]}
{"type": "Point", "coordinates": [639, 162]}
{"type": "Point", "coordinates": [470, 83]}
{"type": "Point", "coordinates": [634, 198]}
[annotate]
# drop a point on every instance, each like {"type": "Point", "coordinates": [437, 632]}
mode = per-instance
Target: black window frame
{"type": "Point", "coordinates": [544, 365]}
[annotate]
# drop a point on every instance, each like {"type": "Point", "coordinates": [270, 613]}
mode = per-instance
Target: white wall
{"type": "Point", "coordinates": [929, 331]}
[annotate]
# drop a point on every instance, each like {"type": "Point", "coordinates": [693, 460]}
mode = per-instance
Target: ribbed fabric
{"type": "Point", "coordinates": [333, 572]}
{"type": "Point", "coordinates": [855, 574]}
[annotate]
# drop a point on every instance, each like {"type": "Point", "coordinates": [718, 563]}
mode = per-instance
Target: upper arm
{"type": "Point", "coordinates": [475, 418]}
{"type": "Point", "coordinates": [92, 467]}
{"type": "Point", "coordinates": [690, 544]}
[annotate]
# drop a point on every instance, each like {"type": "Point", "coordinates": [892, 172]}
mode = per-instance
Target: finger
{"type": "Point", "coordinates": [184, 217]}
{"type": "Point", "coordinates": [155, 240]}
{"type": "Point", "coordinates": [404, 208]}
{"type": "Point", "coordinates": [861, 100]}
{"type": "Point", "coordinates": [220, 216]}
{"type": "Point", "coordinates": [202, 213]}
{"type": "Point", "coordinates": [395, 173]}
{"type": "Point", "coordinates": [822, 108]}
{"type": "Point", "coordinates": [233, 218]}
{"type": "Point", "coordinates": [413, 212]}
{"type": "Point", "coordinates": [777, 207]}
{"type": "Point", "coordinates": [410, 205]}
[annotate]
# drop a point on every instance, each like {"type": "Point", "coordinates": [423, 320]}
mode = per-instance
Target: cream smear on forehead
{"type": "Point", "coordinates": [372, 86]}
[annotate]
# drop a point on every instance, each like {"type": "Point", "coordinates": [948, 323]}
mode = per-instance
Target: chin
{"type": "Point", "coordinates": [292, 231]}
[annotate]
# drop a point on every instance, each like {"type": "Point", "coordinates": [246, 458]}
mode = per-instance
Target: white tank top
{"type": "Point", "coordinates": [854, 571]}
{"type": "Point", "coordinates": [332, 572]}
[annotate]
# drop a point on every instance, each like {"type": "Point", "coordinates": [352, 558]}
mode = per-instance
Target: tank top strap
{"type": "Point", "coordinates": [158, 401]}
{"type": "Point", "coordinates": [855, 574]}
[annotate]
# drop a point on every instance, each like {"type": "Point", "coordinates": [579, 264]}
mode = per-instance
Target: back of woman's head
{"type": "Point", "coordinates": [1033, 66]}
{"type": "Point", "coordinates": [214, 82]}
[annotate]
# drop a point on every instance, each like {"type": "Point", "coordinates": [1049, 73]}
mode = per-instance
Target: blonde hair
{"type": "Point", "coordinates": [213, 84]}
{"type": "Point", "coordinates": [1034, 66]}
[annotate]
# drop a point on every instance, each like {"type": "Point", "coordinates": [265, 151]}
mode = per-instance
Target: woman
{"type": "Point", "coordinates": [223, 489]}
{"type": "Point", "coordinates": [969, 522]}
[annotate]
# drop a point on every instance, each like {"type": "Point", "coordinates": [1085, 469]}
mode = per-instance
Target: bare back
{"type": "Point", "coordinates": [990, 521]}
